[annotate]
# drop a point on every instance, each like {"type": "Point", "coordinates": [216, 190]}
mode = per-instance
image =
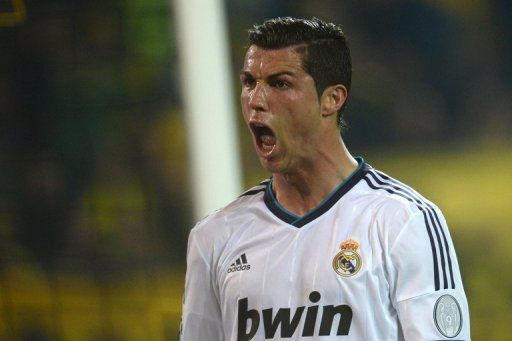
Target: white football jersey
{"type": "Point", "coordinates": [374, 261]}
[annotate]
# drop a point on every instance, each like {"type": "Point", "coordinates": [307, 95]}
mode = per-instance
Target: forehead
{"type": "Point", "coordinates": [260, 60]}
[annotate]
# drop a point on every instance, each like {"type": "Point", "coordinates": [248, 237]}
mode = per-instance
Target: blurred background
{"type": "Point", "coordinates": [95, 203]}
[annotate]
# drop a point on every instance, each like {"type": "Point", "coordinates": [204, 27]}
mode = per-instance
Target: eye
{"type": "Point", "coordinates": [280, 84]}
{"type": "Point", "coordinates": [248, 82]}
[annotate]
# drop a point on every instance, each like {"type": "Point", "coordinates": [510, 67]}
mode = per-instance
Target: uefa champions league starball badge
{"type": "Point", "coordinates": [347, 262]}
{"type": "Point", "coordinates": [448, 316]}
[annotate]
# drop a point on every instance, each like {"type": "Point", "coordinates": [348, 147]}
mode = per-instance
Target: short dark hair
{"type": "Point", "coordinates": [326, 56]}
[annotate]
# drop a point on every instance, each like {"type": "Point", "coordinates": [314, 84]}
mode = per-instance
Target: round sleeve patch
{"type": "Point", "coordinates": [448, 316]}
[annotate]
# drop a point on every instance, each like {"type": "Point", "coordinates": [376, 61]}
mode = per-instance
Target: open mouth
{"type": "Point", "coordinates": [265, 137]}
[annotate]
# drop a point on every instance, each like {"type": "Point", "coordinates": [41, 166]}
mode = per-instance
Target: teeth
{"type": "Point", "coordinates": [267, 147]}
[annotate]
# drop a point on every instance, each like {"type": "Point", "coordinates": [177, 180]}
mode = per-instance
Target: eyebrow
{"type": "Point", "coordinates": [271, 76]}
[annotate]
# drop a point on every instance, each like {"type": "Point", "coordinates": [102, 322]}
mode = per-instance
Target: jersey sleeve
{"type": "Point", "coordinates": [426, 284]}
{"type": "Point", "coordinates": [201, 315]}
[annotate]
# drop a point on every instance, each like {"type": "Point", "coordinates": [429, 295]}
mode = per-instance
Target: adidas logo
{"type": "Point", "coordinates": [240, 264]}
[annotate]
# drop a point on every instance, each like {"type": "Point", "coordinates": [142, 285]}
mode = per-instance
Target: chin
{"type": "Point", "coordinates": [274, 166]}
{"type": "Point", "coordinates": [270, 166]}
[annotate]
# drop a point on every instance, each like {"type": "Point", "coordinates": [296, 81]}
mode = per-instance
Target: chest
{"type": "Point", "coordinates": [320, 280]}
{"type": "Point", "coordinates": [281, 266]}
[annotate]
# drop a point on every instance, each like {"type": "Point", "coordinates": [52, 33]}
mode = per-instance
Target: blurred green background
{"type": "Point", "coordinates": [94, 183]}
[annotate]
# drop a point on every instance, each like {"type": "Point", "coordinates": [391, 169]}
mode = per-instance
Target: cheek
{"type": "Point", "coordinates": [302, 123]}
{"type": "Point", "coordinates": [244, 103]}
{"type": "Point", "coordinates": [243, 98]}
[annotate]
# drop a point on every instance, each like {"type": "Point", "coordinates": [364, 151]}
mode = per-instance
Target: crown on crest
{"type": "Point", "coordinates": [349, 244]}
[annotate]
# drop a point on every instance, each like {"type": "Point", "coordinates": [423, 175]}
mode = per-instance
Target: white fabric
{"type": "Point", "coordinates": [392, 296]}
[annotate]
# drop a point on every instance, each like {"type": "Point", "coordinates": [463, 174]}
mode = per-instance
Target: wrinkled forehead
{"type": "Point", "coordinates": [259, 59]}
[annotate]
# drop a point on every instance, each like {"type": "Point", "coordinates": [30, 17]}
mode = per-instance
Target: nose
{"type": "Point", "coordinates": [258, 98]}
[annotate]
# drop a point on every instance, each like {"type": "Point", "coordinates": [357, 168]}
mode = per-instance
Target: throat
{"type": "Point", "coordinates": [268, 140]}
{"type": "Point", "coordinates": [298, 199]}
{"type": "Point", "coordinates": [301, 192]}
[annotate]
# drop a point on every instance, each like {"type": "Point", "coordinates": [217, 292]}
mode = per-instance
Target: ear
{"type": "Point", "coordinates": [332, 99]}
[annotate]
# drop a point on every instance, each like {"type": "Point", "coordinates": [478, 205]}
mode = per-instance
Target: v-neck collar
{"type": "Point", "coordinates": [333, 197]}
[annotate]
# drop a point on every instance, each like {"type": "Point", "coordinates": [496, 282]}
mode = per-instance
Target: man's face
{"type": "Point", "coordinates": [281, 107]}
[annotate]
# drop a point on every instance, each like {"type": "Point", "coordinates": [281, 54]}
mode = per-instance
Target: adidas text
{"type": "Point", "coordinates": [239, 268]}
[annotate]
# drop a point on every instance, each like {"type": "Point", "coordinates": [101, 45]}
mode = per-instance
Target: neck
{"type": "Point", "coordinates": [304, 188]}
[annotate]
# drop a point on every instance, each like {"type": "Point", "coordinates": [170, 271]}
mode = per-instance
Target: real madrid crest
{"type": "Point", "coordinates": [347, 262]}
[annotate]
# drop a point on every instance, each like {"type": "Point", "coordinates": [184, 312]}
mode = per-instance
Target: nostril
{"type": "Point", "coordinates": [257, 107]}
{"type": "Point", "coordinates": [257, 103]}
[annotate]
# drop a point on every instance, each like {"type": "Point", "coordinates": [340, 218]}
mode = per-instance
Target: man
{"type": "Point", "coordinates": [328, 248]}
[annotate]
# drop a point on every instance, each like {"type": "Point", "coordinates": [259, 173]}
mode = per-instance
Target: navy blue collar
{"type": "Point", "coordinates": [333, 197]}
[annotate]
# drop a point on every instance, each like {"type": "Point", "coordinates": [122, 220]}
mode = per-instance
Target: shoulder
{"type": "Point", "coordinates": [392, 195]}
{"type": "Point", "coordinates": [211, 236]}
{"type": "Point", "coordinates": [220, 221]}
{"type": "Point", "coordinates": [396, 207]}
{"type": "Point", "coordinates": [409, 223]}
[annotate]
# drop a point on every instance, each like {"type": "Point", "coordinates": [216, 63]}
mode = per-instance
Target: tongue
{"type": "Point", "coordinates": [268, 140]}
